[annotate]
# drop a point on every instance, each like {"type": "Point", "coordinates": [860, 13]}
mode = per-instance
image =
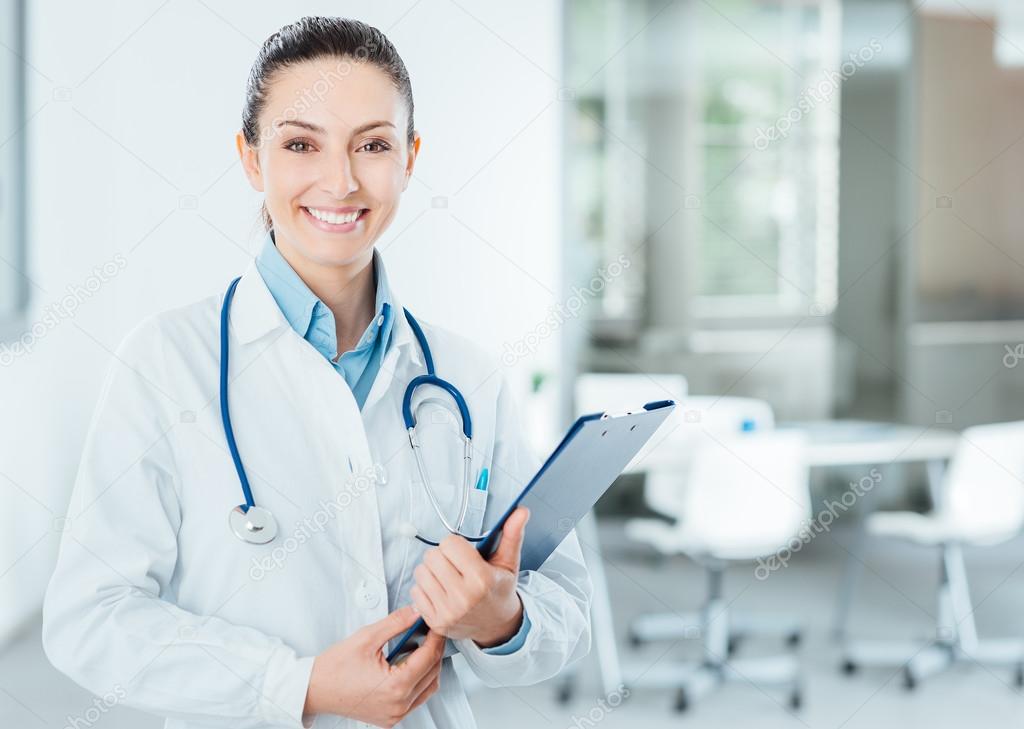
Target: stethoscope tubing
{"type": "Point", "coordinates": [430, 378]}
{"type": "Point", "coordinates": [225, 413]}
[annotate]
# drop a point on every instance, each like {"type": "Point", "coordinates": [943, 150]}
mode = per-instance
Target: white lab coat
{"type": "Point", "coordinates": [155, 597]}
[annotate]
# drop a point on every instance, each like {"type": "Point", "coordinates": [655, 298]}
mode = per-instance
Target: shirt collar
{"type": "Point", "coordinates": [297, 302]}
{"type": "Point", "coordinates": [290, 292]}
{"type": "Point", "coordinates": [255, 313]}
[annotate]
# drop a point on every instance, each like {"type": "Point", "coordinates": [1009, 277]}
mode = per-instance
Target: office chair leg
{"type": "Point", "coordinates": [933, 659]}
{"type": "Point", "coordinates": [964, 629]}
{"type": "Point", "coordinates": [565, 690]}
{"type": "Point", "coordinates": [956, 637]}
{"type": "Point", "coordinates": [718, 666]}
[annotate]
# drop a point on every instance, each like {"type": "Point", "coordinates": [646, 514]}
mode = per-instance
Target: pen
{"type": "Point", "coordinates": [481, 482]}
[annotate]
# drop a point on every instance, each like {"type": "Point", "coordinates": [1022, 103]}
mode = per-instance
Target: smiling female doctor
{"type": "Point", "coordinates": [167, 591]}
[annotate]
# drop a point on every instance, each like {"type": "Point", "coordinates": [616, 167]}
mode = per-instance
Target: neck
{"type": "Point", "coordinates": [348, 290]}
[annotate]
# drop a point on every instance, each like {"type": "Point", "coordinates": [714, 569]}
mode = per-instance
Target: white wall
{"type": "Point", "coordinates": [134, 106]}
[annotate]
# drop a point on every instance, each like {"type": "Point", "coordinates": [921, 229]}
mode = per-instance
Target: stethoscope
{"type": "Point", "coordinates": [257, 525]}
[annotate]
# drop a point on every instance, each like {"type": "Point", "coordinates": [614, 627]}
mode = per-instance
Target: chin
{"type": "Point", "coordinates": [327, 252]}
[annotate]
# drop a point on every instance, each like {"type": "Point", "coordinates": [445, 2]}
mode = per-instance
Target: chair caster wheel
{"type": "Point", "coordinates": [634, 640]}
{"type": "Point", "coordinates": [1018, 676]}
{"type": "Point", "coordinates": [564, 694]}
{"type": "Point", "coordinates": [849, 667]}
{"type": "Point", "coordinates": [793, 639]}
{"type": "Point", "coordinates": [796, 700]}
{"type": "Point", "coordinates": [732, 646]}
{"type": "Point", "coordinates": [682, 701]}
{"type": "Point", "coordinates": [909, 681]}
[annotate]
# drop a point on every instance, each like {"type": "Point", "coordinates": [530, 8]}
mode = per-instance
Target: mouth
{"type": "Point", "coordinates": [336, 221]}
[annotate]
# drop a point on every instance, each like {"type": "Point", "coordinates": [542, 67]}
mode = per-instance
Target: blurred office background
{"type": "Point", "coordinates": [798, 218]}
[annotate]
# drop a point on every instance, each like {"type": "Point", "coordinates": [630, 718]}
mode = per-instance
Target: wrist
{"type": "Point", "coordinates": [507, 628]}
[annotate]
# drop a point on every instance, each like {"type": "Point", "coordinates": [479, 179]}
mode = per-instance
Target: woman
{"type": "Point", "coordinates": [155, 594]}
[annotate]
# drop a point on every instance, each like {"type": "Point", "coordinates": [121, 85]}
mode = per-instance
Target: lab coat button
{"type": "Point", "coordinates": [369, 598]}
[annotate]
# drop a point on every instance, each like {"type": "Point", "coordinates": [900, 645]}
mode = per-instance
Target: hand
{"type": "Point", "coordinates": [353, 679]}
{"type": "Point", "coordinates": [461, 595]}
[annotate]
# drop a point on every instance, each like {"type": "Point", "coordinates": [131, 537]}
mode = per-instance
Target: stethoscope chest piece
{"type": "Point", "coordinates": [255, 526]}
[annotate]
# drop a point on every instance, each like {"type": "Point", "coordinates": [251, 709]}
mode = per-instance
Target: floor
{"type": "Point", "coordinates": [895, 600]}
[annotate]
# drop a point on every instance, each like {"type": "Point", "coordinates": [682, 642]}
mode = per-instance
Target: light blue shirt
{"type": "Point", "coordinates": [314, 322]}
{"type": "Point", "coordinates": [516, 641]}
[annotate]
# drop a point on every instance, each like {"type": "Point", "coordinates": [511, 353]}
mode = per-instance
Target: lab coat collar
{"type": "Point", "coordinates": [254, 312]}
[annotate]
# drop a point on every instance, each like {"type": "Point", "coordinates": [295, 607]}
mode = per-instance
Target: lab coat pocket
{"type": "Point", "coordinates": [475, 512]}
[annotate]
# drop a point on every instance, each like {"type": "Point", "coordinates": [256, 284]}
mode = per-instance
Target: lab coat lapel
{"type": "Point", "coordinates": [335, 434]}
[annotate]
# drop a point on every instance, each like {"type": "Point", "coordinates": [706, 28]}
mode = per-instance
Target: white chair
{"type": "Point", "coordinates": [746, 498]}
{"type": "Point", "coordinates": [980, 503]}
{"type": "Point", "coordinates": [698, 417]}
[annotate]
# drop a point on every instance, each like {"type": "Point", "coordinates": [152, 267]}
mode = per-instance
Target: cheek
{"type": "Point", "coordinates": [383, 183]}
{"type": "Point", "coordinates": [285, 177]}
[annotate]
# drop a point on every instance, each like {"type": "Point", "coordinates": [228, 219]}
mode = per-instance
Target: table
{"type": "Point", "coordinates": [831, 443]}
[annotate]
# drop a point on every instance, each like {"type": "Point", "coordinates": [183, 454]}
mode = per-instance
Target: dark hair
{"type": "Point", "coordinates": [314, 38]}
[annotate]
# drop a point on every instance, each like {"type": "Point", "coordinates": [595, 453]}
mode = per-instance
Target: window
{"type": "Point", "coordinates": [715, 127]}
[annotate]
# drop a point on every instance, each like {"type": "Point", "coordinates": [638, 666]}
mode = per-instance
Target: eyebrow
{"type": "Point", "coordinates": [320, 130]}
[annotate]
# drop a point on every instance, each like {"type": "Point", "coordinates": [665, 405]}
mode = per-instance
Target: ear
{"type": "Point", "coordinates": [250, 162]}
{"type": "Point", "coordinates": [414, 151]}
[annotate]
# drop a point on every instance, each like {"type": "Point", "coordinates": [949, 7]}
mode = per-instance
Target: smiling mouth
{"type": "Point", "coordinates": [339, 220]}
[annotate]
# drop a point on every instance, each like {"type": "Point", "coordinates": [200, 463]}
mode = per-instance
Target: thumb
{"type": "Point", "coordinates": [507, 554]}
{"type": "Point", "coordinates": [380, 632]}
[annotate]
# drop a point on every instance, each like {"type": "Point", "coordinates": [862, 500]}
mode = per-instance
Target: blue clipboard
{"type": "Point", "coordinates": [591, 455]}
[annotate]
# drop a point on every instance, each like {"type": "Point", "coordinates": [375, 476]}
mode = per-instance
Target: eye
{"type": "Point", "coordinates": [305, 146]}
{"type": "Point", "coordinates": [378, 146]}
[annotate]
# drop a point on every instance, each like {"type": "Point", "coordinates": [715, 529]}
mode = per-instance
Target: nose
{"type": "Point", "coordinates": [338, 178]}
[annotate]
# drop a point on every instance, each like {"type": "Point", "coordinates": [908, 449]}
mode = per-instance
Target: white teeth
{"type": "Point", "coordinates": [332, 218]}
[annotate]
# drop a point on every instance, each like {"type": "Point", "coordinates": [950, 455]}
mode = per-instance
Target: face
{"type": "Point", "coordinates": [333, 159]}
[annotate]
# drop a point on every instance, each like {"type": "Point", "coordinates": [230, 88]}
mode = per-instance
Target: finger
{"type": "Point", "coordinates": [423, 603]}
{"type": "Point", "coordinates": [425, 680]}
{"type": "Point", "coordinates": [463, 555]}
{"type": "Point", "coordinates": [395, 623]}
{"type": "Point", "coordinates": [475, 570]}
{"type": "Point", "coordinates": [507, 554]}
{"type": "Point", "coordinates": [429, 653]}
{"type": "Point", "coordinates": [443, 570]}
{"type": "Point", "coordinates": [427, 692]}
{"type": "Point", "coordinates": [431, 592]}
{"type": "Point", "coordinates": [429, 583]}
